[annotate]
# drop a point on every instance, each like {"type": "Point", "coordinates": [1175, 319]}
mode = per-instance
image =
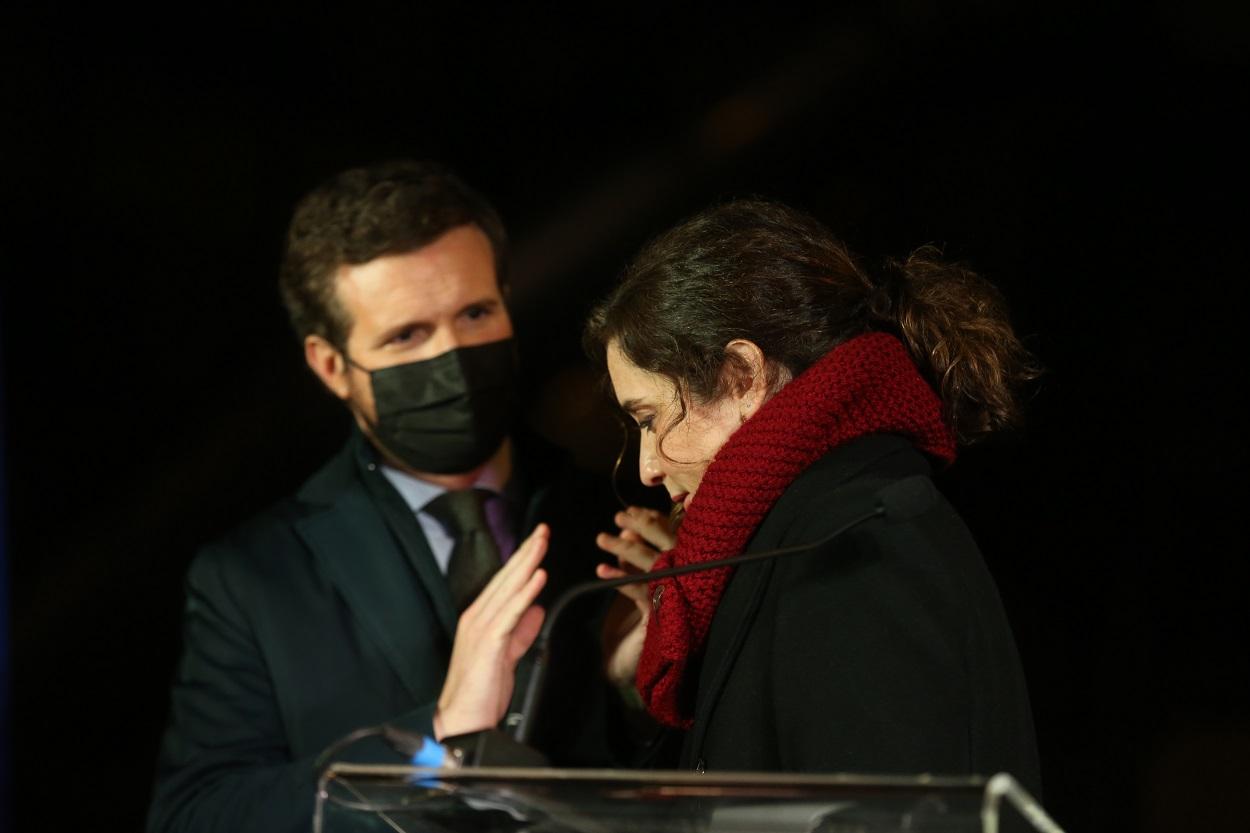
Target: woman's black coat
{"type": "Point", "coordinates": [884, 651]}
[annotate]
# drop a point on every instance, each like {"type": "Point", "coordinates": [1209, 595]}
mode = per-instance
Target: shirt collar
{"type": "Point", "coordinates": [417, 492]}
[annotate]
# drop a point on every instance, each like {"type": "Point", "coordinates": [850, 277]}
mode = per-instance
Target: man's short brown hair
{"type": "Point", "coordinates": [366, 213]}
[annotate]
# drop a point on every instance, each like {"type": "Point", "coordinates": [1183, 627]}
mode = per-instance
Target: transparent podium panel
{"type": "Point", "coordinates": [353, 797]}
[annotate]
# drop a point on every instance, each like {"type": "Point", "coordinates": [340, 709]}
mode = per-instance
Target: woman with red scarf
{"type": "Point", "coordinates": [778, 386]}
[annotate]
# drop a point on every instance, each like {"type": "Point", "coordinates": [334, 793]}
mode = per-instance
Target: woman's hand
{"type": "Point", "coordinates": [492, 635]}
{"type": "Point", "coordinates": [644, 534]}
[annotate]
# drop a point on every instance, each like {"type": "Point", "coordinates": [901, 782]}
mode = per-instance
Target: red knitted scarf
{"type": "Point", "coordinates": [867, 385]}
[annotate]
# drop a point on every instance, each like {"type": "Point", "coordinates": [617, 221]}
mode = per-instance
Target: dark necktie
{"type": "Point", "coordinates": [474, 556]}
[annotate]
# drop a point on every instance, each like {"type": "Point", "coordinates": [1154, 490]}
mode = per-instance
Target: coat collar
{"type": "Point", "coordinates": [812, 492]}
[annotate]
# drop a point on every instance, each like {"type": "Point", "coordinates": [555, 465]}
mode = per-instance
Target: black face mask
{"type": "Point", "coordinates": [448, 414]}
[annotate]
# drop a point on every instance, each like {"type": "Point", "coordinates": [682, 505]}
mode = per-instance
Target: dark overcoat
{"type": "Point", "coordinates": [885, 651]}
{"type": "Point", "coordinates": [328, 613]}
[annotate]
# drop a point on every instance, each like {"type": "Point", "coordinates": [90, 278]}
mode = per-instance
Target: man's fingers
{"type": "Point", "coordinates": [525, 632]}
{"type": "Point", "coordinates": [494, 631]}
{"type": "Point", "coordinates": [514, 572]}
{"type": "Point", "coordinates": [510, 611]}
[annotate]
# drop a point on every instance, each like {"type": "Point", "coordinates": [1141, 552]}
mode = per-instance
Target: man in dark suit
{"type": "Point", "coordinates": [359, 600]}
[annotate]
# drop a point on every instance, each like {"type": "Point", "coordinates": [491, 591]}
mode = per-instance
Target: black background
{"type": "Point", "coordinates": [1090, 161]}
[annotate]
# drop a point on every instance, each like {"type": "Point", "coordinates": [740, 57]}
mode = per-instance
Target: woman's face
{"type": "Point", "coordinates": [672, 453]}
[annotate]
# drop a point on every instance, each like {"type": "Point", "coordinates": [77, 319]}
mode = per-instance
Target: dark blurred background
{"type": "Point", "coordinates": [1090, 159]}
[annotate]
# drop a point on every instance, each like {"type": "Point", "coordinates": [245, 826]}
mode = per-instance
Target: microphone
{"type": "Point", "coordinates": [900, 501]}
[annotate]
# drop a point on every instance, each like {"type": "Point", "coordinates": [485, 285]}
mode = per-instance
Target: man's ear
{"type": "Point", "coordinates": [328, 363]}
{"type": "Point", "coordinates": [749, 386]}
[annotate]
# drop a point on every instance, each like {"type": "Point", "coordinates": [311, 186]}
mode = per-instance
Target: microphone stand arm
{"type": "Point", "coordinates": [542, 645]}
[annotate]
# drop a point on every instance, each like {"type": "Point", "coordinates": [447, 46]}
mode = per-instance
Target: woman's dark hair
{"type": "Point", "coordinates": [366, 213]}
{"type": "Point", "coordinates": [761, 271]}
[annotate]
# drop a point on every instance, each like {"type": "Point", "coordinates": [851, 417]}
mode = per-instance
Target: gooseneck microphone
{"type": "Point", "coordinates": [900, 501]}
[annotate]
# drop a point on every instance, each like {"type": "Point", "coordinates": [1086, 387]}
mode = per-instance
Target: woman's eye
{"type": "Point", "coordinates": [645, 424]}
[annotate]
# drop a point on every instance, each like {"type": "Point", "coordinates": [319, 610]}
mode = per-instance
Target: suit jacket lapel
{"type": "Point", "coordinates": [399, 518]}
{"type": "Point", "coordinates": [357, 550]}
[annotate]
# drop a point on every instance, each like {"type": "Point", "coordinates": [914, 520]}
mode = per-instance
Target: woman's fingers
{"type": "Point", "coordinates": [624, 630]}
{"type": "Point", "coordinates": [635, 553]}
{"type": "Point", "coordinates": [608, 571]}
{"type": "Point", "coordinates": [649, 524]}
{"type": "Point", "coordinates": [644, 534]}
{"type": "Point", "coordinates": [637, 593]}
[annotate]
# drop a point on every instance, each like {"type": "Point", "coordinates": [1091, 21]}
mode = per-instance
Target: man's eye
{"type": "Point", "coordinates": [408, 335]}
{"type": "Point", "coordinates": [474, 313]}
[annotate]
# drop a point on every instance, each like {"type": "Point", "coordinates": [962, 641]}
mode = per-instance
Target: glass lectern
{"type": "Point", "coordinates": [358, 797]}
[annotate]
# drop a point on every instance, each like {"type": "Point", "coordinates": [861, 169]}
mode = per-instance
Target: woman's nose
{"type": "Point", "coordinates": [648, 465]}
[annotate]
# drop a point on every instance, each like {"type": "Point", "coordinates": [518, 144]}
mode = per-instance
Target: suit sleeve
{"type": "Point", "coordinates": [223, 763]}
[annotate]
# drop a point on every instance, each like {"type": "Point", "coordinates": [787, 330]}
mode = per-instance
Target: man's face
{"type": "Point", "coordinates": [411, 307]}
